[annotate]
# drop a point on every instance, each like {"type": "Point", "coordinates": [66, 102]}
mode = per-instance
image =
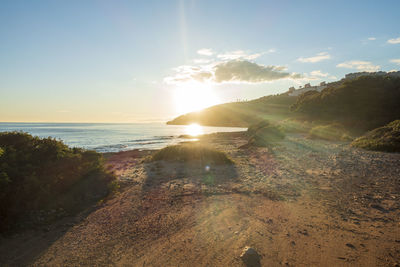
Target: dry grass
{"type": "Point", "coordinates": [191, 153]}
{"type": "Point", "coordinates": [332, 132]}
{"type": "Point", "coordinates": [386, 138]}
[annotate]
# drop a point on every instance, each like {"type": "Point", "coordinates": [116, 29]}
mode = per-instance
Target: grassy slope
{"type": "Point", "coordinates": [386, 138]}
{"type": "Point", "coordinates": [364, 103]}
{"type": "Point", "coordinates": [272, 108]}
{"type": "Point", "coordinates": [359, 105]}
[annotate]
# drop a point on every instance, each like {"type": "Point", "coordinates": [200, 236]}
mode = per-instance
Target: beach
{"type": "Point", "coordinates": [302, 203]}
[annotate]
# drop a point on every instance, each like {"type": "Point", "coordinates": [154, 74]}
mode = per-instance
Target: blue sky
{"type": "Point", "coordinates": [127, 61]}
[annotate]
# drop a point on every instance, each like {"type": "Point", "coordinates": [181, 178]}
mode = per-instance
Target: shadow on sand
{"type": "Point", "coordinates": [168, 175]}
{"type": "Point", "coordinates": [23, 247]}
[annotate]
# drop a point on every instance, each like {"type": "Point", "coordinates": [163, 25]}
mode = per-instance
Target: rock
{"type": "Point", "coordinates": [250, 257]}
{"type": "Point", "coordinates": [350, 246]}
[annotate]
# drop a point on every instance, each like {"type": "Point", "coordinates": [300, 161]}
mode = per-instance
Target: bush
{"type": "Point", "coordinates": [364, 103]}
{"type": "Point", "coordinates": [294, 125]}
{"type": "Point", "coordinates": [332, 132]}
{"type": "Point", "coordinates": [39, 174]}
{"type": "Point", "coordinates": [264, 134]}
{"type": "Point", "coordinates": [191, 153]}
{"type": "Point", "coordinates": [386, 138]}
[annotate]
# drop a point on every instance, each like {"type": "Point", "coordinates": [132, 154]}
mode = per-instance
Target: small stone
{"type": "Point", "coordinates": [250, 257]}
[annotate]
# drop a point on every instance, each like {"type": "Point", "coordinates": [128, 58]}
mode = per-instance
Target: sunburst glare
{"type": "Point", "coordinates": [194, 96]}
{"type": "Point", "coordinates": [194, 129]}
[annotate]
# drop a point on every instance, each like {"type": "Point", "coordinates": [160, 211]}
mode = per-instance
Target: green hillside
{"type": "Point", "coordinates": [360, 104]}
{"type": "Point", "coordinates": [364, 103]}
{"type": "Point", "coordinates": [273, 108]}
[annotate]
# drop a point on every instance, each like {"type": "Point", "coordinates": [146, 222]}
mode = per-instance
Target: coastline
{"type": "Point", "coordinates": [106, 137]}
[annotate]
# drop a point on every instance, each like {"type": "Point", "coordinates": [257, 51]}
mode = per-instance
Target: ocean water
{"type": "Point", "coordinates": [113, 137]}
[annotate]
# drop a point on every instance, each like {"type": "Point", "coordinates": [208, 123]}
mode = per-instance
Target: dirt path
{"type": "Point", "coordinates": [305, 203]}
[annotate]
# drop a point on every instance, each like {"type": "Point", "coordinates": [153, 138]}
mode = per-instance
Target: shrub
{"type": "Point", "coordinates": [364, 103]}
{"type": "Point", "coordinates": [39, 174]}
{"type": "Point", "coordinates": [386, 138]}
{"type": "Point", "coordinates": [191, 153]}
{"type": "Point", "coordinates": [293, 125]}
{"type": "Point", "coordinates": [332, 132]}
{"type": "Point", "coordinates": [264, 134]}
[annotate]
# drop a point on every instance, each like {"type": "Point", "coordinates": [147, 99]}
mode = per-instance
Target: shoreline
{"type": "Point", "coordinates": [303, 202]}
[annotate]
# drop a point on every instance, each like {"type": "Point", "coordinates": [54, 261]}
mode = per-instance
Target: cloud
{"type": "Point", "coordinates": [394, 41]}
{"type": "Point", "coordinates": [372, 38]}
{"type": "Point", "coordinates": [395, 61]}
{"type": "Point", "coordinates": [238, 54]}
{"type": "Point", "coordinates": [319, 57]}
{"type": "Point", "coordinates": [187, 73]}
{"type": "Point", "coordinates": [202, 61]}
{"type": "Point", "coordinates": [359, 65]}
{"type": "Point", "coordinates": [318, 73]}
{"type": "Point", "coordinates": [205, 52]}
{"type": "Point", "coordinates": [237, 71]}
{"type": "Point", "coordinates": [245, 71]}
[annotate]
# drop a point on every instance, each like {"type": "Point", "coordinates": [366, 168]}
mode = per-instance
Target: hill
{"type": "Point", "coordinates": [361, 102]}
{"type": "Point", "coordinates": [242, 114]}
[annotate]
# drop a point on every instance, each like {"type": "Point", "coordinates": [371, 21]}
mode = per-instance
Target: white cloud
{"type": "Point", "coordinates": [359, 65]}
{"type": "Point", "coordinates": [234, 71]}
{"type": "Point", "coordinates": [372, 38]}
{"type": "Point", "coordinates": [202, 61]}
{"type": "Point", "coordinates": [318, 73]}
{"type": "Point", "coordinates": [205, 52]}
{"type": "Point", "coordinates": [250, 72]}
{"type": "Point", "coordinates": [319, 57]}
{"type": "Point", "coordinates": [188, 73]}
{"type": "Point", "coordinates": [238, 54]}
{"type": "Point", "coordinates": [394, 41]}
{"type": "Point", "coordinates": [395, 61]}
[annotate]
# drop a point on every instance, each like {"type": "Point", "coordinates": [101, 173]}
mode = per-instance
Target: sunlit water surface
{"type": "Point", "coordinates": [112, 137]}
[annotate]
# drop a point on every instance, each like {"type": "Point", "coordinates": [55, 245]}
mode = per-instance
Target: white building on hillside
{"type": "Point", "coordinates": [307, 87]}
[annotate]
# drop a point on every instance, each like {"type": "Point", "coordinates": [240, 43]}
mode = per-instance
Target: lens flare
{"type": "Point", "coordinates": [194, 129]}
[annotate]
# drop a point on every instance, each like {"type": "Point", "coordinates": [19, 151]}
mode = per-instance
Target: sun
{"type": "Point", "coordinates": [194, 129]}
{"type": "Point", "coordinates": [194, 96]}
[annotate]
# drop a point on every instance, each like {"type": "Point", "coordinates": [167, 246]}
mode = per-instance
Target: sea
{"type": "Point", "coordinates": [115, 137]}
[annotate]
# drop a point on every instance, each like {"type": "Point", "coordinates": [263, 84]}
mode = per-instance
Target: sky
{"type": "Point", "coordinates": [145, 61]}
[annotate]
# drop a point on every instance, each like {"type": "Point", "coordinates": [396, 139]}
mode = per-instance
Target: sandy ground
{"type": "Point", "coordinates": [302, 203]}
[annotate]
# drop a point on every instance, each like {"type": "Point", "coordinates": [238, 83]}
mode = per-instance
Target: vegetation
{"type": "Point", "coordinates": [386, 138]}
{"type": "Point", "coordinates": [333, 132]}
{"type": "Point", "coordinates": [358, 105]}
{"type": "Point", "coordinates": [295, 125]}
{"type": "Point", "coordinates": [241, 114]}
{"type": "Point", "coordinates": [264, 134]}
{"type": "Point", "coordinates": [191, 153]}
{"type": "Point", "coordinates": [364, 103]}
{"type": "Point", "coordinates": [43, 174]}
